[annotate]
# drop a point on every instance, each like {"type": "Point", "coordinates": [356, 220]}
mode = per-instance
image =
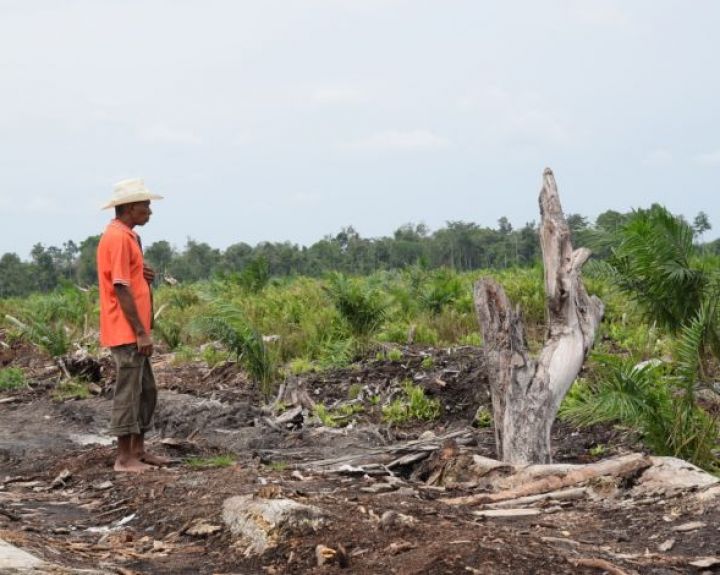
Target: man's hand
{"type": "Point", "coordinates": [145, 344]}
{"type": "Point", "coordinates": [148, 273]}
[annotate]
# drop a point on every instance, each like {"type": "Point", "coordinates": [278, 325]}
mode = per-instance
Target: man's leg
{"type": "Point", "coordinates": [125, 411]}
{"type": "Point", "coordinates": [148, 400]}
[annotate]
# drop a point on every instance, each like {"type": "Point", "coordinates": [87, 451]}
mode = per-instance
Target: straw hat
{"type": "Point", "coordinates": [129, 191]}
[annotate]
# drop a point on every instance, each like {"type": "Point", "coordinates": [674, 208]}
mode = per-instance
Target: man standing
{"type": "Point", "coordinates": [125, 323]}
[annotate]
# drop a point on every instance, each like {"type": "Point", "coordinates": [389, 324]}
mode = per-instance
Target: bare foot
{"type": "Point", "coordinates": [131, 466]}
{"type": "Point", "coordinates": [153, 459]}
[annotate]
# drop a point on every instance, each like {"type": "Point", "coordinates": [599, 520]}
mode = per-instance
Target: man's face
{"type": "Point", "coordinates": [140, 213]}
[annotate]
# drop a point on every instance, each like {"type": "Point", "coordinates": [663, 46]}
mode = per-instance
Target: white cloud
{"type": "Point", "coordinates": [41, 205]}
{"type": "Point", "coordinates": [517, 118]}
{"type": "Point", "coordinates": [305, 198]}
{"type": "Point", "coordinates": [337, 95]}
{"type": "Point", "coordinates": [709, 158]}
{"type": "Point", "coordinates": [604, 13]}
{"type": "Point", "coordinates": [658, 157]}
{"type": "Point", "coordinates": [402, 140]}
{"type": "Point", "coordinates": [160, 133]}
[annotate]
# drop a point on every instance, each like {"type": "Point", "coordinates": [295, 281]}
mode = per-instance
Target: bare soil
{"type": "Point", "coordinates": [60, 498]}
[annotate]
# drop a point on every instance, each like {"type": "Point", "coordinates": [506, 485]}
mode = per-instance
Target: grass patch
{"type": "Point", "coordinates": [338, 417]}
{"type": "Point", "coordinates": [483, 417]}
{"type": "Point", "coordinates": [414, 405]}
{"type": "Point", "coordinates": [277, 466]}
{"type": "Point", "coordinates": [300, 365]}
{"type": "Point", "coordinates": [71, 389]}
{"type": "Point", "coordinates": [210, 462]}
{"type": "Point", "coordinates": [394, 354]}
{"type": "Point", "coordinates": [12, 378]}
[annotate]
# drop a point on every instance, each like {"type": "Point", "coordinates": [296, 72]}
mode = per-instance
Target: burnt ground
{"type": "Point", "coordinates": [61, 500]}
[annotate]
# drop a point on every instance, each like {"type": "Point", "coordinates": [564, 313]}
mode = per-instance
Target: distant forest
{"type": "Point", "coordinates": [459, 245]}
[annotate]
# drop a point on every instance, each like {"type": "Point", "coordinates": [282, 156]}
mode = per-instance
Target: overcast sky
{"type": "Point", "coordinates": [287, 120]}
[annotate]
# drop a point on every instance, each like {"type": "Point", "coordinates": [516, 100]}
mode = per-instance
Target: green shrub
{"type": "Point", "coordinates": [337, 353]}
{"type": "Point", "coordinates": [228, 324]}
{"type": "Point", "coordinates": [414, 405]}
{"type": "Point", "coordinates": [473, 339]}
{"type": "Point", "coordinates": [354, 391]}
{"type": "Point", "coordinates": [301, 365]}
{"type": "Point", "coordinates": [360, 306]}
{"type": "Point", "coordinates": [212, 355]}
{"type": "Point", "coordinates": [71, 389]}
{"type": "Point", "coordinates": [169, 331]}
{"type": "Point", "coordinates": [185, 354]}
{"type": "Point", "coordinates": [54, 321]}
{"type": "Point", "coordinates": [443, 289]}
{"type": "Point", "coordinates": [12, 378]}
{"type": "Point", "coordinates": [338, 417]}
{"type": "Point", "coordinates": [394, 354]}
{"type": "Point", "coordinates": [483, 417]}
{"type": "Point", "coordinates": [649, 399]}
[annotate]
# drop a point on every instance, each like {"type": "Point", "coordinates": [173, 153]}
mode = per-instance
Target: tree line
{"type": "Point", "coordinates": [459, 245]}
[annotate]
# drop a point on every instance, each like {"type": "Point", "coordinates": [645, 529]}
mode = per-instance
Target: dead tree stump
{"type": "Point", "coordinates": [526, 392]}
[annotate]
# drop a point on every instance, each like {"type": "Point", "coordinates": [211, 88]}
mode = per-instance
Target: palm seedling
{"type": "Point", "coordinates": [228, 324]}
{"type": "Point", "coordinates": [361, 307]}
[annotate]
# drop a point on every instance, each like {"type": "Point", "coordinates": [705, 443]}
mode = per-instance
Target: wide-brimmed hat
{"type": "Point", "coordinates": [129, 191]}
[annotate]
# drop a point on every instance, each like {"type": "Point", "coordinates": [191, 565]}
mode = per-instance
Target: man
{"type": "Point", "coordinates": [125, 323]}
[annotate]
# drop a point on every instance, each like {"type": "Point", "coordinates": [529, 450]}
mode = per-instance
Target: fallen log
{"type": "Point", "coordinates": [625, 466]}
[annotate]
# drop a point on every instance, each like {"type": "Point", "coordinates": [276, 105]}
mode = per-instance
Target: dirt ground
{"type": "Point", "coordinates": [61, 500]}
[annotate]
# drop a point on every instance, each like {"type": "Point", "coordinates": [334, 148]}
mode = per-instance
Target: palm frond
{"type": "Point", "coordinates": [228, 324]}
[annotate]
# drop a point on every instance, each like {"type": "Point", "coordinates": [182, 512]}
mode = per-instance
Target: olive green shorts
{"type": "Point", "coordinates": [135, 393]}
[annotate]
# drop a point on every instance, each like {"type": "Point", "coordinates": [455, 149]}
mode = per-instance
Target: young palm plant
{"type": "Point", "coordinates": [362, 308]}
{"type": "Point", "coordinates": [228, 324]}
{"type": "Point", "coordinates": [653, 262]}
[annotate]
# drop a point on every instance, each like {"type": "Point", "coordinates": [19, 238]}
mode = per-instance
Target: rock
{"type": "Point", "coordinates": [691, 526]}
{"type": "Point", "coordinates": [102, 486]}
{"type": "Point", "coordinates": [391, 519]}
{"type": "Point", "coordinates": [261, 521]}
{"type": "Point", "coordinates": [12, 557]}
{"type": "Point", "coordinates": [60, 480]}
{"type": "Point", "coordinates": [324, 554]}
{"type": "Point", "coordinates": [94, 388]}
{"type": "Point", "coordinates": [511, 513]}
{"type": "Point", "coordinates": [666, 545]}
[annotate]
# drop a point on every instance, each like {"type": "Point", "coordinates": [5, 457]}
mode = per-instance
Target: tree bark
{"type": "Point", "coordinates": [526, 392]}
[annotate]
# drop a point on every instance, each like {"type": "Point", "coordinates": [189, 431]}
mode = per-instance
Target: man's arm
{"type": "Point", "coordinates": [127, 304]}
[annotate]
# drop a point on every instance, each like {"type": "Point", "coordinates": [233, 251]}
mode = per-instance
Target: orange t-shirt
{"type": "Point", "coordinates": [120, 261]}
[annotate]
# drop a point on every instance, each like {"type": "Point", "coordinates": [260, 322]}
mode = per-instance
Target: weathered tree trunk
{"type": "Point", "coordinates": [526, 393]}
